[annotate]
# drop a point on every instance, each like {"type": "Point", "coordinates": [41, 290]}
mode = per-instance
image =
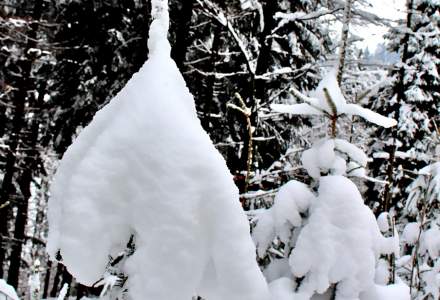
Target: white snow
{"type": "Point", "coordinates": [278, 268]}
{"type": "Point", "coordinates": [411, 233]}
{"type": "Point", "coordinates": [369, 115]}
{"type": "Point", "coordinates": [353, 152]}
{"type": "Point", "coordinates": [339, 244]}
{"type": "Point", "coordinates": [293, 198]}
{"type": "Point", "coordinates": [295, 109]}
{"type": "Point", "coordinates": [432, 281]}
{"type": "Point", "coordinates": [430, 241]}
{"type": "Point", "coordinates": [382, 274]}
{"type": "Point", "coordinates": [355, 170]}
{"type": "Point", "coordinates": [322, 157]}
{"type": "Point", "coordinates": [144, 166]}
{"type": "Point", "coordinates": [264, 233]}
{"type": "Point", "coordinates": [63, 292]}
{"type": "Point", "coordinates": [8, 290]}
{"type": "Point", "coordinates": [397, 291]}
{"type": "Point", "coordinates": [425, 187]}
{"type": "Point", "coordinates": [383, 223]}
{"type": "Point", "coordinates": [329, 86]}
{"type": "Point", "coordinates": [319, 102]}
{"type": "Point", "coordinates": [383, 155]}
{"type": "Point", "coordinates": [282, 289]}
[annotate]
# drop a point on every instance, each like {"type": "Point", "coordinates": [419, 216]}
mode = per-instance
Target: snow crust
{"type": "Point", "coordinates": [8, 290]}
{"type": "Point", "coordinates": [145, 167]}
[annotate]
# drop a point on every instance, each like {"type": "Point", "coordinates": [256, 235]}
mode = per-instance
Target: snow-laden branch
{"type": "Point", "coordinates": [286, 18]}
{"type": "Point", "coordinates": [215, 13]}
{"type": "Point", "coordinates": [218, 75]}
{"type": "Point", "coordinates": [318, 104]}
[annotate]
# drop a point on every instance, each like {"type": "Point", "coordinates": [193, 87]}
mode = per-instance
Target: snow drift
{"type": "Point", "coordinates": [144, 166]}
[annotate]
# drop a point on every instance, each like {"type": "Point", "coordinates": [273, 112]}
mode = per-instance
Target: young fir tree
{"type": "Point", "coordinates": [420, 263]}
{"type": "Point", "coordinates": [301, 235]}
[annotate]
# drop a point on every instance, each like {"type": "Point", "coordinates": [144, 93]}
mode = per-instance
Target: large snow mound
{"type": "Point", "coordinates": [144, 166]}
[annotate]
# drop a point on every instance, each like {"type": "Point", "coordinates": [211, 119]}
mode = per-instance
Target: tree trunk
{"type": "Point", "coordinates": [400, 89]}
{"type": "Point", "coordinates": [211, 93]}
{"type": "Point", "coordinates": [67, 279]}
{"type": "Point", "coordinates": [56, 281]}
{"type": "Point", "coordinates": [178, 52]}
{"type": "Point", "coordinates": [257, 90]}
{"type": "Point", "coordinates": [47, 280]}
{"type": "Point", "coordinates": [25, 179]}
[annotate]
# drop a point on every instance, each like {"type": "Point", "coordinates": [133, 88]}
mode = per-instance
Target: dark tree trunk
{"type": "Point", "coordinates": [56, 280]}
{"type": "Point", "coordinates": [47, 280]}
{"type": "Point", "coordinates": [81, 291]}
{"type": "Point", "coordinates": [19, 237]}
{"type": "Point", "coordinates": [67, 279]}
{"type": "Point", "coordinates": [388, 200]}
{"type": "Point", "coordinates": [257, 88]}
{"type": "Point", "coordinates": [211, 80]}
{"type": "Point", "coordinates": [7, 187]}
{"type": "Point", "coordinates": [25, 181]}
{"type": "Point", "coordinates": [264, 58]}
{"type": "Point", "coordinates": [178, 52]}
{"type": "Point", "coordinates": [25, 178]}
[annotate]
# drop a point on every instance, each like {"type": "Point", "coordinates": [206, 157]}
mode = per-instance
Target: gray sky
{"type": "Point", "coordinates": [390, 9]}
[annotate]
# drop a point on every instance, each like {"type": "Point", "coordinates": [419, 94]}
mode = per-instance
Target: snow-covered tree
{"type": "Point", "coordinates": [303, 231]}
{"type": "Point", "coordinates": [26, 62]}
{"type": "Point", "coordinates": [144, 169]}
{"type": "Point", "coordinates": [412, 100]}
{"type": "Point", "coordinates": [256, 49]}
{"type": "Point", "coordinates": [420, 263]}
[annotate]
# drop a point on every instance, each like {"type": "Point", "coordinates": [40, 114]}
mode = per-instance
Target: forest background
{"type": "Point", "coordinates": [64, 60]}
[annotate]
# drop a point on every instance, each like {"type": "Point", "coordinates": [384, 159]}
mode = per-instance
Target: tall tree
{"type": "Point", "coordinates": [27, 61]}
{"type": "Point", "coordinates": [412, 100]}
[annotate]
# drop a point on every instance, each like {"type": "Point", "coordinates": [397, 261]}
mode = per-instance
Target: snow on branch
{"type": "Point", "coordinates": [215, 13]}
{"type": "Point", "coordinates": [318, 103]}
{"type": "Point", "coordinates": [286, 18]}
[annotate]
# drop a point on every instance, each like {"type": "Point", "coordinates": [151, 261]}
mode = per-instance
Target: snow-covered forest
{"type": "Point", "coordinates": [220, 149]}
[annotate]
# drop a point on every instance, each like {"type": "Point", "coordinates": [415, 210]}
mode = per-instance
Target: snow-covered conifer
{"type": "Point", "coordinates": [412, 100]}
{"type": "Point", "coordinates": [323, 239]}
{"type": "Point", "coordinates": [144, 167]}
{"type": "Point", "coordinates": [421, 234]}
